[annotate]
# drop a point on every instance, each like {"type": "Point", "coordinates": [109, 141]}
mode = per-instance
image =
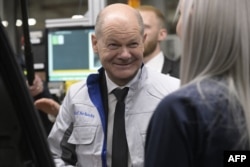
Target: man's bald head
{"type": "Point", "coordinates": [115, 14]}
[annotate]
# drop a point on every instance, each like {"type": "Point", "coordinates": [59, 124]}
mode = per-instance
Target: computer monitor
{"type": "Point", "coordinates": [70, 56]}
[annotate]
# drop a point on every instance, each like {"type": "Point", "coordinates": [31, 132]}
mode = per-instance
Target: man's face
{"type": "Point", "coordinates": [120, 48]}
{"type": "Point", "coordinates": [152, 29]}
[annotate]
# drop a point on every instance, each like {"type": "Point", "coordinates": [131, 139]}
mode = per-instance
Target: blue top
{"type": "Point", "coordinates": [190, 129]}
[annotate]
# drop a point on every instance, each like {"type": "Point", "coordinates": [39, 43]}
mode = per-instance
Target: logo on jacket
{"type": "Point", "coordinates": [83, 113]}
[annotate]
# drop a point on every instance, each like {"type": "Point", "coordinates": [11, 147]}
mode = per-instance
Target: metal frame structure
{"type": "Point", "coordinates": [94, 7]}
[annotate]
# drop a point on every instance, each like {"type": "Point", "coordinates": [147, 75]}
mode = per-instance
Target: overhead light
{"type": "Point", "coordinates": [19, 23]}
{"type": "Point", "coordinates": [77, 16]}
{"type": "Point", "coordinates": [31, 22]}
{"type": "Point", "coordinates": [5, 23]}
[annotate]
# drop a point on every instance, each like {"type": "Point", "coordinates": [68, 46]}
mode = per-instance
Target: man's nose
{"type": "Point", "coordinates": [125, 52]}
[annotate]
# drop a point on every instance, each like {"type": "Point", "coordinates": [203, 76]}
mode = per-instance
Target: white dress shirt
{"type": "Point", "coordinates": [156, 63]}
{"type": "Point", "coordinates": [111, 113]}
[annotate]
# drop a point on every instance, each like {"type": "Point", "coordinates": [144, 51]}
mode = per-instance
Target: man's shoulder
{"type": "Point", "coordinates": [77, 87]}
{"type": "Point", "coordinates": [171, 67]}
{"type": "Point", "coordinates": [158, 82]}
{"type": "Point", "coordinates": [160, 77]}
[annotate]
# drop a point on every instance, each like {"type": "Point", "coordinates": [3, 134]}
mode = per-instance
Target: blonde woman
{"type": "Point", "coordinates": [209, 114]}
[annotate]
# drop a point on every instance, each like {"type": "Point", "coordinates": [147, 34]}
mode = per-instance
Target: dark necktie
{"type": "Point", "coordinates": [119, 143]}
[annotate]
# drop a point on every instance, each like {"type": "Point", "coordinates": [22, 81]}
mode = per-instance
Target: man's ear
{"type": "Point", "coordinates": [94, 43]}
{"type": "Point", "coordinates": [162, 34]}
{"type": "Point", "coordinates": [144, 37]}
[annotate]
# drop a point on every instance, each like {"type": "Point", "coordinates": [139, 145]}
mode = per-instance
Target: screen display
{"type": "Point", "coordinates": [70, 56]}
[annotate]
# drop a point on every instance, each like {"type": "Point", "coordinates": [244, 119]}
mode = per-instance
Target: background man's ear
{"type": "Point", "coordinates": [162, 34]}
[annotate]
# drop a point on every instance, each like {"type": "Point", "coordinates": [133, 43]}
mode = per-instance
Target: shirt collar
{"type": "Point", "coordinates": [156, 62]}
{"type": "Point", "coordinates": [111, 85]}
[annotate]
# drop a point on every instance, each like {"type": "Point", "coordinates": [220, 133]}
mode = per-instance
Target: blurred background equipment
{"type": "Point", "coordinates": [48, 16]}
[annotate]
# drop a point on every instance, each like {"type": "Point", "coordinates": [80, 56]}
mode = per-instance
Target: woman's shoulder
{"type": "Point", "coordinates": [203, 98]}
{"type": "Point", "coordinates": [206, 90]}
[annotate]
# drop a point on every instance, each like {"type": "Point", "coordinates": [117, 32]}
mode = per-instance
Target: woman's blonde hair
{"type": "Point", "coordinates": [216, 42]}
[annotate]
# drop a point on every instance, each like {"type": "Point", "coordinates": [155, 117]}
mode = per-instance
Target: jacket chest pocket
{"type": "Point", "coordinates": [88, 143]}
{"type": "Point", "coordinates": [84, 138]}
